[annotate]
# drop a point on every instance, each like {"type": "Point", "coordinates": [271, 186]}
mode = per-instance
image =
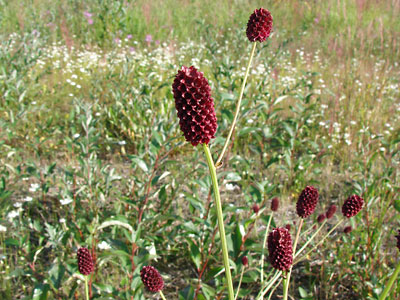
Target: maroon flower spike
{"type": "Point", "coordinates": [331, 211]}
{"type": "Point", "coordinates": [275, 204]}
{"type": "Point", "coordinates": [347, 229]}
{"type": "Point", "coordinates": [245, 261]}
{"type": "Point", "coordinates": [194, 105]}
{"type": "Point", "coordinates": [352, 206]}
{"type": "Point", "coordinates": [398, 240]}
{"type": "Point", "coordinates": [307, 202]}
{"type": "Point", "coordinates": [259, 25]}
{"type": "Point", "coordinates": [256, 208]}
{"type": "Point", "coordinates": [288, 227]}
{"type": "Point", "coordinates": [280, 249]}
{"type": "Point", "coordinates": [152, 279]}
{"type": "Point", "coordinates": [85, 261]}
{"type": "Point", "coordinates": [321, 218]}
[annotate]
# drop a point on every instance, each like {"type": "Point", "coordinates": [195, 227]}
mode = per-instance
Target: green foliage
{"type": "Point", "coordinates": [91, 153]}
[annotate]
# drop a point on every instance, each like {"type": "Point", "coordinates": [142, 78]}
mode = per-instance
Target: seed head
{"type": "Point", "coordinates": [259, 25]}
{"type": "Point", "coordinates": [245, 261]}
{"type": "Point", "coordinates": [256, 208]}
{"type": "Point", "coordinates": [331, 211]}
{"type": "Point", "coordinates": [275, 204]}
{"type": "Point", "coordinates": [321, 218]}
{"type": "Point", "coordinates": [347, 229]}
{"type": "Point", "coordinates": [152, 279]}
{"type": "Point", "coordinates": [307, 202]}
{"type": "Point", "coordinates": [352, 206]}
{"type": "Point", "coordinates": [280, 249]}
{"type": "Point", "coordinates": [85, 261]}
{"type": "Point", "coordinates": [194, 105]}
{"type": "Point", "coordinates": [398, 240]}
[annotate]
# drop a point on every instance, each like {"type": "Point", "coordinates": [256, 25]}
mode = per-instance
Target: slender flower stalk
{"type": "Point", "coordinates": [221, 228]}
{"type": "Point", "coordinates": [394, 275]}
{"type": "Point", "coordinates": [287, 280]}
{"type": "Point", "coordinates": [268, 285]}
{"type": "Point", "coordinates": [86, 286]}
{"type": "Point", "coordinates": [310, 239]}
{"type": "Point", "coordinates": [218, 162]}
{"type": "Point", "coordinates": [263, 248]}
{"type": "Point", "coordinates": [245, 263]}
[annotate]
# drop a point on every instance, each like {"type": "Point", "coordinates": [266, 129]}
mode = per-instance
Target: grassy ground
{"type": "Point", "coordinates": [89, 134]}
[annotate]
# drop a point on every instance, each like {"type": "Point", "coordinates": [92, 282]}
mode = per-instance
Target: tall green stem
{"type": "Point", "coordinates": [86, 287]}
{"type": "Point", "coordinates": [390, 283]}
{"type": "Point", "coordinates": [162, 295]}
{"type": "Point", "coordinates": [221, 228]}
{"type": "Point", "coordinates": [218, 162]}
{"type": "Point", "coordinates": [286, 285]}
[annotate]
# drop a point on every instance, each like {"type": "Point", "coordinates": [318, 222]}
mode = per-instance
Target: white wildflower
{"type": "Point", "coordinates": [34, 187]}
{"type": "Point", "coordinates": [3, 228]}
{"type": "Point", "coordinates": [104, 246]}
{"type": "Point", "coordinates": [66, 201]}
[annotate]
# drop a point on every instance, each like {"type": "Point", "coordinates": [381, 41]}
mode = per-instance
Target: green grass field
{"type": "Point", "coordinates": [91, 153]}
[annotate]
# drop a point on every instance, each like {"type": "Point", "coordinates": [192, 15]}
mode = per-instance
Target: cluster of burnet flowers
{"type": "Point", "coordinates": [280, 241]}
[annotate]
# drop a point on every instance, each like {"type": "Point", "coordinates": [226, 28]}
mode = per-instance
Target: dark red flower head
{"type": "Point", "coordinates": [321, 218]}
{"type": "Point", "coordinates": [398, 240]}
{"type": "Point", "coordinates": [352, 206]}
{"type": "Point", "coordinates": [152, 279]}
{"type": "Point", "coordinates": [280, 249]}
{"type": "Point", "coordinates": [275, 204]}
{"type": "Point", "coordinates": [245, 261]}
{"type": "Point", "coordinates": [307, 202]}
{"type": "Point", "coordinates": [331, 211]}
{"type": "Point", "coordinates": [194, 105]}
{"type": "Point", "coordinates": [256, 208]}
{"type": "Point", "coordinates": [85, 261]}
{"type": "Point", "coordinates": [259, 25]}
{"type": "Point", "coordinates": [347, 229]}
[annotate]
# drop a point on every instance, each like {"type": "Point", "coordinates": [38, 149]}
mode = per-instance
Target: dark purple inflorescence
{"type": "Point", "coordinates": [194, 105]}
{"type": "Point", "coordinates": [347, 229]}
{"type": "Point", "coordinates": [321, 218]}
{"type": "Point", "coordinates": [280, 249]}
{"type": "Point", "coordinates": [152, 279]}
{"type": "Point", "coordinates": [256, 208]}
{"type": "Point", "coordinates": [331, 211]}
{"type": "Point", "coordinates": [398, 240]}
{"type": "Point", "coordinates": [275, 204]}
{"type": "Point", "coordinates": [307, 202]}
{"type": "Point", "coordinates": [259, 26]}
{"type": "Point", "coordinates": [352, 206]}
{"type": "Point", "coordinates": [245, 261]}
{"type": "Point", "coordinates": [85, 261]}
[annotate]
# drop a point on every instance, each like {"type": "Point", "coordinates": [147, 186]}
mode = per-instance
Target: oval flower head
{"type": "Point", "coordinates": [398, 240]}
{"type": "Point", "coordinates": [152, 279]}
{"type": "Point", "coordinates": [307, 202]}
{"type": "Point", "coordinates": [259, 26]}
{"type": "Point", "coordinates": [352, 206]}
{"type": "Point", "coordinates": [194, 105]}
{"type": "Point", "coordinates": [280, 249]}
{"type": "Point", "coordinates": [85, 261]}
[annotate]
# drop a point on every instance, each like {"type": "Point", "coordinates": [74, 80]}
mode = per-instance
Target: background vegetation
{"type": "Point", "coordinates": [91, 153]}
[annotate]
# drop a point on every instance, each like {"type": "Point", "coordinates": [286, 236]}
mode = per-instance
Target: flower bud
{"type": "Point", "coordinates": [347, 229]}
{"type": "Point", "coordinates": [331, 211]}
{"type": "Point", "coordinates": [321, 218]}
{"type": "Point", "coordinates": [275, 204]}
{"type": "Point", "coordinates": [256, 208]}
{"type": "Point", "coordinates": [245, 261]}
{"type": "Point", "coordinates": [398, 240]}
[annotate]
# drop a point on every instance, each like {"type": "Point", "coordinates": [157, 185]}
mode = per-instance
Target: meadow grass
{"type": "Point", "coordinates": [89, 135]}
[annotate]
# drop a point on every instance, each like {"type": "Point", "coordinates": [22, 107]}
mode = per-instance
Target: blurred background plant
{"type": "Point", "coordinates": [91, 154]}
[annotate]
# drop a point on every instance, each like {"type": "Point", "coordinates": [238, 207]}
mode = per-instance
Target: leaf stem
{"type": "Point", "coordinates": [221, 228]}
{"type": "Point", "coordinates": [218, 162]}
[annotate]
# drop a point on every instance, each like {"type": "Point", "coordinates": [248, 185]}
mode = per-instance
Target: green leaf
{"type": "Point", "coordinates": [397, 204]}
